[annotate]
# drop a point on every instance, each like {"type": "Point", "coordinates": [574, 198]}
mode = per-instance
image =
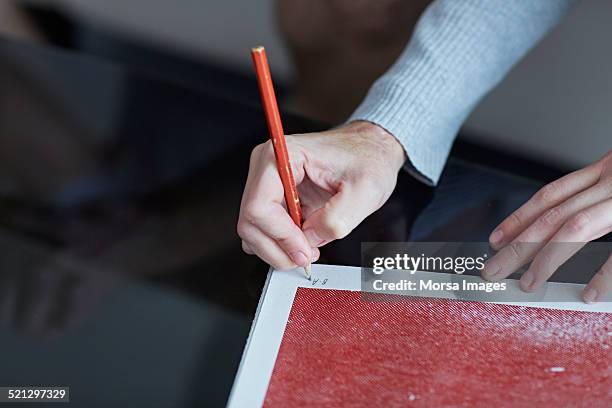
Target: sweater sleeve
{"type": "Point", "coordinates": [459, 51]}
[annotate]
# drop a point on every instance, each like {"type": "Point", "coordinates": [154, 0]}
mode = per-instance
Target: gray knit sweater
{"type": "Point", "coordinates": [459, 51]}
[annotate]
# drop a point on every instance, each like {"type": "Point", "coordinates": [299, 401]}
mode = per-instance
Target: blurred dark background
{"type": "Point", "coordinates": [553, 107]}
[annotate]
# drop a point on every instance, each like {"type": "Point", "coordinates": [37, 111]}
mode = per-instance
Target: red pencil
{"type": "Point", "coordinates": [264, 79]}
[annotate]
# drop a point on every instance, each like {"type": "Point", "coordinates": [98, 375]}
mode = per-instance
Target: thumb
{"type": "Point", "coordinates": [343, 212]}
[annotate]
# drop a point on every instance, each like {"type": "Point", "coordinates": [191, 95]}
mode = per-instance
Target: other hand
{"type": "Point", "coordinates": [573, 210]}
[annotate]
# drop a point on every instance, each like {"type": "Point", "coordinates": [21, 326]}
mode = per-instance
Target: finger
{"type": "Point", "coordinates": [315, 254]}
{"type": "Point", "coordinates": [600, 284]}
{"type": "Point", "coordinates": [509, 259]}
{"type": "Point", "coordinates": [246, 248]}
{"type": "Point", "coordinates": [547, 224]}
{"type": "Point", "coordinates": [546, 262]}
{"type": "Point", "coordinates": [343, 212]}
{"type": "Point", "coordinates": [275, 222]}
{"type": "Point", "coordinates": [586, 225]}
{"type": "Point", "coordinates": [263, 182]}
{"type": "Point", "coordinates": [267, 249]}
{"type": "Point", "coordinates": [263, 207]}
{"type": "Point", "coordinates": [548, 197]}
{"type": "Point", "coordinates": [530, 241]}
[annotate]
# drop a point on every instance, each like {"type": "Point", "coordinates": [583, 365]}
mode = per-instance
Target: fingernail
{"type": "Point", "coordinates": [313, 238]}
{"type": "Point", "coordinates": [299, 258]}
{"type": "Point", "coordinates": [527, 280]}
{"type": "Point", "coordinates": [315, 255]}
{"type": "Point", "coordinates": [589, 295]}
{"type": "Point", "coordinates": [496, 236]}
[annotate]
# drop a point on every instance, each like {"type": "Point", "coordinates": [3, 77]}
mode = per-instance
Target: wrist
{"type": "Point", "coordinates": [392, 147]}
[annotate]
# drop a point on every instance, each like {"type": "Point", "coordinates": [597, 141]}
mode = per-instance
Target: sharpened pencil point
{"type": "Point", "coordinates": [308, 271]}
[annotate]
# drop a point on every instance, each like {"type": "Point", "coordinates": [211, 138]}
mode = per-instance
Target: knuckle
{"type": "Point", "coordinates": [579, 222]}
{"type": "Point", "coordinates": [252, 213]}
{"type": "Point", "coordinates": [607, 184]}
{"type": "Point", "coordinates": [605, 275]}
{"type": "Point", "coordinates": [548, 193]}
{"type": "Point", "coordinates": [551, 217]}
{"type": "Point", "coordinates": [515, 250]}
{"type": "Point", "coordinates": [267, 148]}
{"type": "Point", "coordinates": [261, 149]}
{"type": "Point", "coordinates": [246, 249]}
{"type": "Point", "coordinates": [514, 221]}
{"type": "Point", "coordinates": [337, 227]}
{"type": "Point", "coordinates": [606, 272]}
{"type": "Point", "coordinates": [255, 153]}
{"type": "Point", "coordinates": [244, 231]}
{"type": "Point", "coordinates": [542, 262]}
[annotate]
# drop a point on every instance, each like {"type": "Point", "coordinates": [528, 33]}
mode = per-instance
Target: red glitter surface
{"type": "Point", "coordinates": [339, 350]}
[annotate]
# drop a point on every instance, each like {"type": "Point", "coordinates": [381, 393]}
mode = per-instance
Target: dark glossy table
{"type": "Point", "coordinates": [121, 273]}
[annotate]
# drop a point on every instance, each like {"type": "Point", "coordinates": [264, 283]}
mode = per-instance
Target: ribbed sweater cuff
{"type": "Point", "coordinates": [427, 144]}
{"type": "Point", "coordinates": [459, 51]}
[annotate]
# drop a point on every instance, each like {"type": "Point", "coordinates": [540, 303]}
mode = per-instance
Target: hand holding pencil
{"type": "Point", "coordinates": [334, 178]}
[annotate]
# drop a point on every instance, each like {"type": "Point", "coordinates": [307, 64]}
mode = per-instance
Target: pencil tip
{"type": "Point", "coordinates": [259, 48]}
{"type": "Point", "coordinates": [307, 272]}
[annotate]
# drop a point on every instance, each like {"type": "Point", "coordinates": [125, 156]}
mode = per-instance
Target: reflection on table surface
{"type": "Point", "coordinates": [121, 273]}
